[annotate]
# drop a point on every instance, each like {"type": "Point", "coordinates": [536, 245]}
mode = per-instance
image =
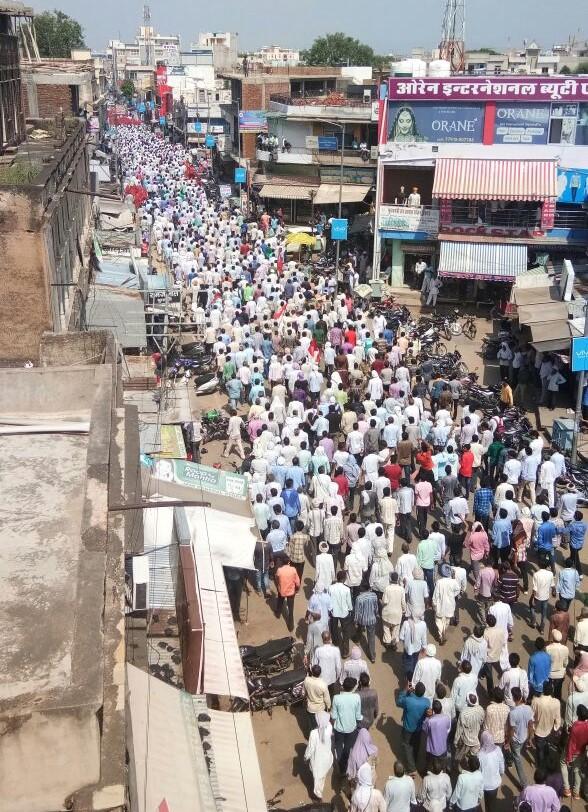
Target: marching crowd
{"type": "Point", "coordinates": [403, 505]}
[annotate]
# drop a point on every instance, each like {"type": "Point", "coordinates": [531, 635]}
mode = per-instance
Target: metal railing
{"type": "Point", "coordinates": [515, 217]}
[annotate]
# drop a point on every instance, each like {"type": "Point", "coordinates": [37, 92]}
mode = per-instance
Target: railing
{"type": "Point", "coordinates": [571, 219]}
{"type": "Point", "coordinates": [506, 218]}
{"type": "Point", "coordinates": [321, 100]}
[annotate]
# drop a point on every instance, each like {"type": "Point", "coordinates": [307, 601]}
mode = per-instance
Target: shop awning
{"type": "Point", "coordinates": [546, 312]}
{"type": "Point", "coordinates": [470, 260]}
{"type": "Point", "coordinates": [473, 179]}
{"type": "Point", "coordinates": [350, 193]}
{"type": "Point", "coordinates": [551, 336]}
{"type": "Point", "coordinates": [536, 295]}
{"type": "Point", "coordinates": [283, 191]}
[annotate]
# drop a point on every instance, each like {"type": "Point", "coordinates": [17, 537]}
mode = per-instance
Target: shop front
{"type": "Point", "coordinates": [408, 235]}
{"type": "Point", "coordinates": [480, 272]}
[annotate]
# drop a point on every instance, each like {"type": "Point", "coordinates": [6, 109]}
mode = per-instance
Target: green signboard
{"type": "Point", "coordinates": [202, 477]}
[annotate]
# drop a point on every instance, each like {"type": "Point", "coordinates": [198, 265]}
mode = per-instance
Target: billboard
{"type": "Point", "coordinates": [495, 88]}
{"type": "Point", "coordinates": [253, 120]}
{"type": "Point", "coordinates": [339, 228]}
{"type": "Point", "coordinates": [441, 124]}
{"type": "Point", "coordinates": [409, 218]}
{"type": "Point", "coordinates": [521, 123]}
{"type": "Point", "coordinates": [579, 354]}
{"type": "Point", "coordinates": [572, 186]}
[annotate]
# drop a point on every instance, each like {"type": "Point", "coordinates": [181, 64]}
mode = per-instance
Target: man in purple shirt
{"type": "Point", "coordinates": [541, 797]}
{"type": "Point", "coordinates": [436, 728]}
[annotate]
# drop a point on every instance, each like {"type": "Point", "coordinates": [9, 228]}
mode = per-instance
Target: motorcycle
{"type": "Point", "coordinates": [267, 693]}
{"type": "Point", "coordinates": [268, 658]}
{"type": "Point", "coordinates": [208, 385]}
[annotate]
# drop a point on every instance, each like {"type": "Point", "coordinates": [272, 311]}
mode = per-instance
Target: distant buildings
{"type": "Point", "coordinates": [275, 56]}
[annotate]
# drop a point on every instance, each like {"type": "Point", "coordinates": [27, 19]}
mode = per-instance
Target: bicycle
{"type": "Point", "coordinates": [469, 328]}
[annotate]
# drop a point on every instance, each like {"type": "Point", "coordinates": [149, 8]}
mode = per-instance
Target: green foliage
{"type": "Point", "coordinates": [19, 174]}
{"type": "Point", "coordinates": [489, 51]}
{"type": "Point", "coordinates": [339, 49]}
{"type": "Point", "coordinates": [57, 33]}
{"type": "Point", "coordinates": [582, 67]}
{"type": "Point", "coordinates": [565, 70]}
{"type": "Point", "coordinates": [127, 89]}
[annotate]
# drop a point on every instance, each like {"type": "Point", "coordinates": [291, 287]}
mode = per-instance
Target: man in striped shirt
{"type": "Point", "coordinates": [508, 584]}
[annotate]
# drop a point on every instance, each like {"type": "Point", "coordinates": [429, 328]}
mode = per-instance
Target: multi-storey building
{"type": "Point", "coordinates": [498, 172]}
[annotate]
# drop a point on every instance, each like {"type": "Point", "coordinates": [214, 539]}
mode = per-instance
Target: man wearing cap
{"type": "Point", "coordinates": [469, 726]}
{"type": "Point", "coordinates": [560, 656]}
{"type": "Point", "coordinates": [428, 671]}
{"type": "Point", "coordinates": [446, 591]}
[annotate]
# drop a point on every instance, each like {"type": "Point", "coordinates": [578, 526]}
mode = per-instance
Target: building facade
{"type": "Point", "coordinates": [482, 178]}
{"type": "Point", "coordinates": [12, 124]}
{"type": "Point", "coordinates": [45, 218]}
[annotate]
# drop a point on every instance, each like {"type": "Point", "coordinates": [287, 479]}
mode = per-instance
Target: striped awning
{"type": "Point", "coordinates": [473, 179]}
{"type": "Point", "coordinates": [492, 261]}
{"type": "Point", "coordinates": [283, 191]}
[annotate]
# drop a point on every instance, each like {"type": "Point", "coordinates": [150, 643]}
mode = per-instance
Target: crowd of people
{"type": "Point", "coordinates": [372, 482]}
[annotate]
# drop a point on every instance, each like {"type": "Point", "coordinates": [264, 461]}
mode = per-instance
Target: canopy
{"type": "Point", "coordinates": [300, 239]}
{"type": "Point", "coordinates": [350, 193]}
{"type": "Point", "coordinates": [551, 336]}
{"type": "Point", "coordinates": [492, 261]}
{"type": "Point", "coordinates": [483, 179]}
{"type": "Point", "coordinates": [284, 191]}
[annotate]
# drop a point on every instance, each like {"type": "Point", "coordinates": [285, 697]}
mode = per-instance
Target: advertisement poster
{"type": "Point", "coordinates": [572, 186]}
{"type": "Point", "coordinates": [582, 126]}
{"type": "Point", "coordinates": [409, 218]}
{"type": "Point", "coordinates": [521, 124]}
{"type": "Point", "coordinates": [201, 477]}
{"type": "Point", "coordinates": [441, 124]}
{"type": "Point", "coordinates": [495, 88]}
{"type": "Point", "coordinates": [253, 120]}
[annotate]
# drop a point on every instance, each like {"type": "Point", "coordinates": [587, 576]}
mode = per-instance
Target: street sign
{"type": "Point", "coordinates": [328, 142]}
{"type": "Point", "coordinates": [209, 141]}
{"type": "Point", "coordinates": [579, 354]}
{"type": "Point", "coordinates": [240, 174]}
{"type": "Point", "coordinates": [339, 229]}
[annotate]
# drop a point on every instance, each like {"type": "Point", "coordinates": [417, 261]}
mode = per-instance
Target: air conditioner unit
{"type": "Point", "coordinates": [136, 583]}
{"type": "Point", "coordinates": [367, 95]}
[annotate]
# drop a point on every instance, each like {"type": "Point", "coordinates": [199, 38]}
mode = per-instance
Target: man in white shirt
{"type": "Point", "coordinates": [529, 465]}
{"type": "Point", "coordinates": [503, 614]}
{"type": "Point", "coordinates": [399, 792]}
{"type": "Point", "coordinates": [413, 633]}
{"type": "Point", "coordinates": [512, 468]}
{"type": "Point", "coordinates": [581, 634]}
{"type": "Point", "coordinates": [428, 671]}
{"type": "Point", "coordinates": [234, 435]}
{"type": "Point", "coordinates": [465, 683]}
{"type": "Point", "coordinates": [514, 677]}
{"type": "Point", "coordinates": [328, 657]}
{"type": "Point", "coordinates": [444, 596]}
{"type": "Point", "coordinates": [543, 587]}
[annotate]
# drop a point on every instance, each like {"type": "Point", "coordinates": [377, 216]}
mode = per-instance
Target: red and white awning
{"type": "Point", "coordinates": [474, 179]}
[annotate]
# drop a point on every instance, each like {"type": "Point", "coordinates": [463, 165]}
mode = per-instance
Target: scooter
{"type": "Point", "coordinates": [209, 387]}
{"type": "Point", "coordinates": [267, 693]}
{"type": "Point", "coordinates": [268, 658]}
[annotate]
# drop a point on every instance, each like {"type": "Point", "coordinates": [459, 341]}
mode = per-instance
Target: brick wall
{"type": "Point", "coordinates": [256, 96]}
{"type": "Point", "coordinates": [50, 99]}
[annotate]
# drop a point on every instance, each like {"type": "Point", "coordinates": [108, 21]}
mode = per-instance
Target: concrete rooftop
{"type": "Point", "coordinates": [39, 553]}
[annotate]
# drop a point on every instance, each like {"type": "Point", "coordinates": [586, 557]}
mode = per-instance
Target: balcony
{"type": "Point", "coordinates": [305, 156]}
{"type": "Point", "coordinates": [334, 106]}
{"type": "Point", "coordinates": [517, 221]}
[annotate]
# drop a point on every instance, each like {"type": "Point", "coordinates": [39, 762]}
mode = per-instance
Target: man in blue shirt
{"type": "Point", "coordinates": [539, 668]}
{"type": "Point", "coordinates": [567, 583]}
{"type": "Point", "coordinates": [291, 502]}
{"type": "Point", "coordinates": [414, 706]}
{"type": "Point", "coordinates": [501, 533]}
{"type": "Point", "coordinates": [546, 532]}
{"type": "Point", "coordinates": [576, 533]}
{"type": "Point", "coordinates": [345, 713]}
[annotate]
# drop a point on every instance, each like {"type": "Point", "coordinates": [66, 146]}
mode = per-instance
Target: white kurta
{"type": "Point", "coordinates": [427, 671]}
{"type": "Point", "coordinates": [319, 754]}
{"type": "Point", "coordinates": [446, 591]}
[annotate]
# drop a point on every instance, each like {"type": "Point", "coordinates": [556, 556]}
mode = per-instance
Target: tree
{"type": "Point", "coordinates": [565, 70]}
{"type": "Point", "coordinates": [57, 33]}
{"type": "Point", "coordinates": [127, 88]}
{"type": "Point", "coordinates": [582, 68]}
{"type": "Point", "coordinates": [338, 49]}
{"type": "Point", "coordinates": [486, 50]}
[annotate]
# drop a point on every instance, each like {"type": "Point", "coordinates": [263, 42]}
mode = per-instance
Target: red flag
{"type": "Point", "coordinates": [163, 807]}
{"type": "Point", "coordinates": [279, 313]}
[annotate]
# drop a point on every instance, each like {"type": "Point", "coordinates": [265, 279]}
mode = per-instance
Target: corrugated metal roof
{"type": "Point", "coordinates": [119, 310]}
{"type": "Point", "coordinates": [350, 193]}
{"type": "Point", "coordinates": [484, 179]}
{"type": "Point", "coordinates": [166, 754]}
{"type": "Point", "coordinates": [163, 573]}
{"type": "Point", "coordinates": [285, 192]}
{"type": "Point", "coordinates": [470, 260]}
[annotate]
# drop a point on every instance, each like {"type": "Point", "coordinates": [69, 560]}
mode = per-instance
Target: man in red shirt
{"type": "Point", "coordinates": [342, 484]}
{"type": "Point", "coordinates": [575, 752]}
{"type": "Point", "coordinates": [394, 472]}
{"type": "Point", "coordinates": [288, 584]}
{"type": "Point", "coordinates": [466, 468]}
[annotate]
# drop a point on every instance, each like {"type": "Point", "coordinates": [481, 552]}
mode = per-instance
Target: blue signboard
{"type": "Point", "coordinates": [521, 123]}
{"type": "Point", "coordinates": [209, 141]}
{"type": "Point", "coordinates": [339, 229]}
{"type": "Point", "coordinates": [240, 174]}
{"type": "Point", "coordinates": [253, 120]}
{"type": "Point", "coordinates": [436, 123]}
{"type": "Point", "coordinates": [579, 354]}
{"type": "Point", "coordinates": [328, 142]}
{"type": "Point", "coordinates": [572, 186]}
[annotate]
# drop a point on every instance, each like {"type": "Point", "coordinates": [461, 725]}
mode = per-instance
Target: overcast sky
{"type": "Point", "coordinates": [387, 25]}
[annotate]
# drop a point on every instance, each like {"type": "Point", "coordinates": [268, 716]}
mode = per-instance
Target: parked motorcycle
{"type": "Point", "coordinates": [268, 658]}
{"type": "Point", "coordinates": [267, 693]}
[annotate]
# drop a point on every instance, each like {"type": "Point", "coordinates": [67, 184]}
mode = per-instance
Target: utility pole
{"type": "Point", "coordinates": [338, 248]}
{"type": "Point", "coordinates": [579, 393]}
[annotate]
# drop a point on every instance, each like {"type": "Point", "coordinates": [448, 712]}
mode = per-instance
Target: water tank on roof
{"type": "Point", "coordinates": [439, 67]}
{"type": "Point", "coordinates": [410, 67]}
